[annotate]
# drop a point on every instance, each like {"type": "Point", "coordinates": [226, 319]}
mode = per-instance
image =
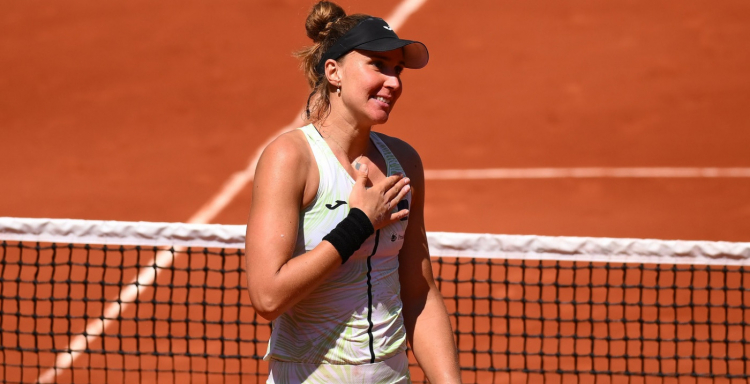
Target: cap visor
{"type": "Point", "coordinates": [415, 53]}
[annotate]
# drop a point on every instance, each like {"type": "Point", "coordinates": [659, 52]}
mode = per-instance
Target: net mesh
{"type": "Point", "coordinates": [86, 312]}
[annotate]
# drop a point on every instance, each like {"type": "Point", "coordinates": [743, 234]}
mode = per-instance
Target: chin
{"type": "Point", "coordinates": [379, 118]}
{"type": "Point", "coordinates": [379, 121]}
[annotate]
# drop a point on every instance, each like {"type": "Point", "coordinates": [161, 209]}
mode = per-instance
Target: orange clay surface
{"type": "Point", "coordinates": [134, 110]}
{"type": "Point", "coordinates": [140, 110]}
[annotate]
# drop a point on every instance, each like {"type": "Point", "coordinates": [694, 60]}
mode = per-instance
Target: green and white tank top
{"type": "Point", "coordinates": [354, 317]}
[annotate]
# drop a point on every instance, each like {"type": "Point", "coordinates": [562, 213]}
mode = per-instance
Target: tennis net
{"type": "Point", "coordinates": [95, 302]}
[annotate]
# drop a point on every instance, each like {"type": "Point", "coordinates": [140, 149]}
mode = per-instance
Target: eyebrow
{"type": "Point", "coordinates": [386, 58]}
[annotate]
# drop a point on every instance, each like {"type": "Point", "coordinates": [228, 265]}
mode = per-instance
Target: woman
{"type": "Point", "coordinates": [336, 249]}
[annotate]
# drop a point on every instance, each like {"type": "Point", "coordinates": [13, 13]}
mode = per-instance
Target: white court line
{"type": "Point", "coordinates": [591, 172]}
{"type": "Point", "coordinates": [205, 214]}
{"type": "Point", "coordinates": [238, 180]}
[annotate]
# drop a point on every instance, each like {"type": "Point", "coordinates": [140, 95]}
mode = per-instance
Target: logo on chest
{"type": "Point", "coordinates": [338, 204]}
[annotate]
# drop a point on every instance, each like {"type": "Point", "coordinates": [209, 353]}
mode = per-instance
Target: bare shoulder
{"type": "Point", "coordinates": [288, 147]}
{"type": "Point", "coordinates": [405, 153]}
{"type": "Point", "coordinates": [283, 168]}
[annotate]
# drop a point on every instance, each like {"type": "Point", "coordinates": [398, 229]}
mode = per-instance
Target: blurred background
{"type": "Point", "coordinates": [140, 110]}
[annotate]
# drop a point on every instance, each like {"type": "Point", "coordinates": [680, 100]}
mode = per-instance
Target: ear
{"type": "Point", "coordinates": [332, 70]}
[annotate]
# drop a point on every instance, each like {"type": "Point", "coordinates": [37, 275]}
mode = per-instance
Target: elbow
{"type": "Point", "coordinates": [266, 306]}
{"type": "Point", "coordinates": [264, 297]}
{"type": "Point", "coordinates": [268, 314]}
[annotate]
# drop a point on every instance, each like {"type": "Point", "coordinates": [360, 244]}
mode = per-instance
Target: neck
{"type": "Point", "coordinates": [350, 138]}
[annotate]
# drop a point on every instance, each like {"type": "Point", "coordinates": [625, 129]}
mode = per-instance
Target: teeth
{"type": "Point", "coordinates": [380, 98]}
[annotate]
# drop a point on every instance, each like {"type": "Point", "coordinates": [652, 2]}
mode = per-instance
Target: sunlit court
{"type": "Point", "coordinates": [586, 180]}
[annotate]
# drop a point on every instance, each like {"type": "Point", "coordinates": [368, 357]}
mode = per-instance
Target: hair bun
{"type": "Point", "coordinates": [321, 17]}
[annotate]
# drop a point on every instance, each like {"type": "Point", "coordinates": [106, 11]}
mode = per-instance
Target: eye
{"type": "Point", "coordinates": [383, 66]}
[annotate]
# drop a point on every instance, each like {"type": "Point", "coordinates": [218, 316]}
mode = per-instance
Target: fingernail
{"type": "Point", "coordinates": [407, 180]}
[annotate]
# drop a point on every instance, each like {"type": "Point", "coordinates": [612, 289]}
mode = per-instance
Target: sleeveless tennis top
{"type": "Point", "coordinates": [354, 317]}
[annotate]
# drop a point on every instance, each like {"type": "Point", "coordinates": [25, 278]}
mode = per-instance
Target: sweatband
{"type": "Point", "coordinates": [350, 233]}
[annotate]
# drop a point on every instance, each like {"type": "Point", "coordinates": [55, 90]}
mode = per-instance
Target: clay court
{"type": "Point", "coordinates": [142, 111]}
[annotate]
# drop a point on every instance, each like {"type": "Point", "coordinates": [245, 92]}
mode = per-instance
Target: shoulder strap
{"type": "Point", "coordinates": [392, 164]}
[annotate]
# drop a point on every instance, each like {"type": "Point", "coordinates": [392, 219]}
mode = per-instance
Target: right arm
{"type": "Point", "coordinates": [275, 280]}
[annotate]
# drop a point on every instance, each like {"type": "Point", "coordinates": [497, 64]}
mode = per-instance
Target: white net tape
{"type": "Point", "coordinates": [441, 243]}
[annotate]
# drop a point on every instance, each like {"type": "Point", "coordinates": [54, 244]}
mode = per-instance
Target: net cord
{"type": "Point", "coordinates": [445, 244]}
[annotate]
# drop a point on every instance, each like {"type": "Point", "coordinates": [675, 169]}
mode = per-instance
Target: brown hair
{"type": "Point", "coordinates": [325, 24]}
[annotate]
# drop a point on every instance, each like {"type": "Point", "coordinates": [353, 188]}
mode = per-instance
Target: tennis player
{"type": "Point", "coordinates": [336, 250]}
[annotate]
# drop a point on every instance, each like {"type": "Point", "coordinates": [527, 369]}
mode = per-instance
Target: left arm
{"type": "Point", "coordinates": [428, 328]}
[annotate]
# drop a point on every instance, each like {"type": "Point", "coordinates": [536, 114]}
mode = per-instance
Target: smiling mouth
{"type": "Point", "coordinates": [383, 100]}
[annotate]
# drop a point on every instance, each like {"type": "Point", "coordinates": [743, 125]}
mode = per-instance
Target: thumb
{"type": "Point", "coordinates": [362, 173]}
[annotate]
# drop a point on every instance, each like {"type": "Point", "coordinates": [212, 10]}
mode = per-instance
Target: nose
{"type": "Point", "coordinates": [392, 82]}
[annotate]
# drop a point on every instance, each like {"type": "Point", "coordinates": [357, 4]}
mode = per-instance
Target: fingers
{"type": "Point", "coordinates": [397, 191]}
{"type": "Point", "coordinates": [398, 215]}
{"type": "Point", "coordinates": [362, 173]}
{"type": "Point", "coordinates": [394, 203]}
{"type": "Point", "coordinates": [401, 187]}
{"type": "Point", "coordinates": [389, 182]}
{"type": "Point", "coordinates": [380, 201]}
{"type": "Point", "coordinates": [401, 194]}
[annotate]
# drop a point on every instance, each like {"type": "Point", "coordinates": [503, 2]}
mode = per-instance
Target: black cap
{"type": "Point", "coordinates": [374, 34]}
